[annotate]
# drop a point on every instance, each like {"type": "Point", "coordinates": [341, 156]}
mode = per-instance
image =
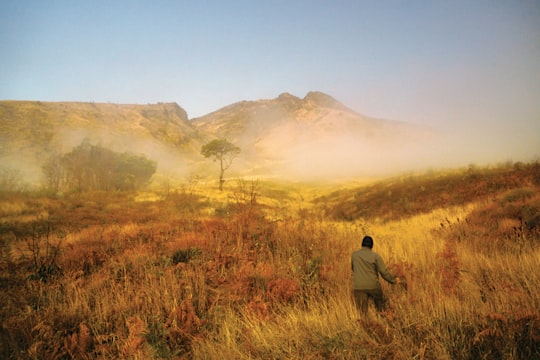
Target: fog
{"type": "Point", "coordinates": [168, 158]}
{"type": "Point", "coordinates": [346, 157]}
{"type": "Point", "coordinates": [290, 138]}
{"type": "Point", "coordinates": [295, 150]}
{"type": "Point", "coordinates": [304, 155]}
{"type": "Point", "coordinates": [27, 162]}
{"type": "Point", "coordinates": [324, 160]}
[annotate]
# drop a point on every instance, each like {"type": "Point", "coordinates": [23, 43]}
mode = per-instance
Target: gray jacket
{"type": "Point", "coordinates": [366, 267]}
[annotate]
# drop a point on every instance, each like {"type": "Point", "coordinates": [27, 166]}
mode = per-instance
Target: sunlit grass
{"type": "Point", "coordinates": [259, 271]}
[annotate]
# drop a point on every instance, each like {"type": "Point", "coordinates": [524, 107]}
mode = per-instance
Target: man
{"type": "Point", "coordinates": [366, 267]}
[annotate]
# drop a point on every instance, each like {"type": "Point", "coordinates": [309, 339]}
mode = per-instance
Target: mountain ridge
{"type": "Point", "coordinates": [297, 135]}
{"type": "Point", "coordinates": [283, 136]}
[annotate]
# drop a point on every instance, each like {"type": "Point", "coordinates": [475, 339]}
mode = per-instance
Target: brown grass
{"type": "Point", "coordinates": [234, 276]}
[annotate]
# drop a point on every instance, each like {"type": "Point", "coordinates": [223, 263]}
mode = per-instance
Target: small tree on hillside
{"type": "Point", "coordinates": [223, 151]}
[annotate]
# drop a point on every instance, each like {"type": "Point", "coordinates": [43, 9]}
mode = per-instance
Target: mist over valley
{"type": "Point", "coordinates": [290, 138]}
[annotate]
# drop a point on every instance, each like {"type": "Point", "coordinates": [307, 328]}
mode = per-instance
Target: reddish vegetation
{"type": "Point", "coordinates": [448, 268]}
{"type": "Point", "coordinates": [102, 276]}
{"type": "Point", "coordinates": [409, 196]}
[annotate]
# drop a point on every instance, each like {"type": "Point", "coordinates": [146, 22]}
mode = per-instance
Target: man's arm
{"type": "Point", "coordinates": [383, 270]}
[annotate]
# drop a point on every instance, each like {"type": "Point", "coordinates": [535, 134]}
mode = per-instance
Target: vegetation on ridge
{"type": "Point", "coordinates": [406, 196]}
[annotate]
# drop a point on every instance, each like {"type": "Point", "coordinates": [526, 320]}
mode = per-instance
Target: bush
{"type": "Point", "coordinates": [185, 255]}
{"type": "Point", "coordinates": [92, 167]}
{"type": "Point", "coordinates": [43, 247]}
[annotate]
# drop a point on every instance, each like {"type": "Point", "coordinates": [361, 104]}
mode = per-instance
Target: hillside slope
{"type": "Point", "coordinates": [31, 131]}
{"type": "Point", "coordinates": [407, 196]}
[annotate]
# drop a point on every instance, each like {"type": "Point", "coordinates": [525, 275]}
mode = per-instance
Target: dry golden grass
{"type": "Point", "coordinates": [242, 275]}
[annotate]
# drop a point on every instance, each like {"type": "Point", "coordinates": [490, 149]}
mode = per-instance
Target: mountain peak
{"type": "Point", "coordinates": [170, 110]}
{"type": "Point", "coordinates": [325, 100]}
{"type": "Point", "coordinates": [287, 96]}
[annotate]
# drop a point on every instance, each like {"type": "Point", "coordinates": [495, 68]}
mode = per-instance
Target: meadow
{"type": "Point", "coordinates": [261, 270]}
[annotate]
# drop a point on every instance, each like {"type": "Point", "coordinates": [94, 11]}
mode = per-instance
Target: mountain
{"type": "Point", "coordinates": [315, 136]}
{"type": "Point", "coordinates": [310, 137]}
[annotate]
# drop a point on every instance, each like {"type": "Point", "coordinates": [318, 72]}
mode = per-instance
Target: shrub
{"type": "Point", "coordinates": [185, 255]}
{"type": "Point", "coordinates": [448, 268]}
{"type": "Point", "coordinates": [43, 247]}
{"type": "Point", "coordinates": [283, 290]}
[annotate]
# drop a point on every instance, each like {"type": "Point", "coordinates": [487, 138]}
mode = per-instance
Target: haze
{"type": "Point", "coordinates": [469, 70]}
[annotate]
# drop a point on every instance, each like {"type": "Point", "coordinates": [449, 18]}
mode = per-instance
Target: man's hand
{"type": "Point", "coordinates": [402, 284]}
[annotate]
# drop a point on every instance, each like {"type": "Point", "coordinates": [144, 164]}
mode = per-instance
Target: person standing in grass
{"type": "Point", "coordinates": [366, 267]}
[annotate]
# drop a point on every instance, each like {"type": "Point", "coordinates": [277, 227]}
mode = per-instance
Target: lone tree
{"type": "Point", "coordinates": [222, 150]}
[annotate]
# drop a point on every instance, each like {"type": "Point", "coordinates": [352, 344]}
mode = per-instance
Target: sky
{"type": "Point", "coordinates": [471, 68]}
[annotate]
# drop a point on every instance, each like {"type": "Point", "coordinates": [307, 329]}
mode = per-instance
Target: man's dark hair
{"type": "Point", "coordinates": [367, 241]}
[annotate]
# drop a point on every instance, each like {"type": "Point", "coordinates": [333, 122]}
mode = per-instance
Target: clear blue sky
{"type": "Point", "coordinates": [471, 66]}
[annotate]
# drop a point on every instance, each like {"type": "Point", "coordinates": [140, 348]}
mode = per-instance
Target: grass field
{"type": "Point", "coordinates": [262, 270]}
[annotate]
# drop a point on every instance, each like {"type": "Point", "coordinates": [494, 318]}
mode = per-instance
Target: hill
{"type": "Point", "coordinates": [30, 131]}
{"type": "Point", "coordinates": [316, 136]}
{"type": "Point", "coordinates": [406, 196]}
{"type": "Point", "coordinates": [286, 137]}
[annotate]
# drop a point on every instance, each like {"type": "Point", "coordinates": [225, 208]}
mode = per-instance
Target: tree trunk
{"type": "Point", "coordinates": [221, 181]}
